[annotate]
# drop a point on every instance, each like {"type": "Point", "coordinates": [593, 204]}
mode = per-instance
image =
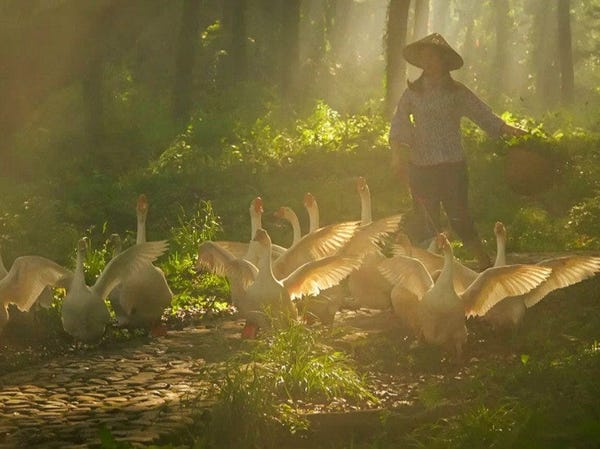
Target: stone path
{"type": "Point", "coordinates": [137, 390]}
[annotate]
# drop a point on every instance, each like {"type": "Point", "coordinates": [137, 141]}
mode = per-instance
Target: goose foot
{"type": "Point", "coordinates": [158, 330]}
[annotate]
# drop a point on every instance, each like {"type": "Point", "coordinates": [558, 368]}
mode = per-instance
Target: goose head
{"type": "Point", "coordinates": [309, 200]}
{"type": "Point", "coordinates": [256, 211]}
{"type": "Point", "coordinates": [365, 200]}
{"type": "Point", "coordinates": [361, 184]}
{"type": "Point", "coordinates": [500, 230]}
{"type": "Point", "coordinates": [443, 244]}
{"type": "Point", "coordinates": [82, 247]}
{"type": "Point", "coordinates": [256, 206]}
{"type": "Point", "coordinates": [116, 243]}
{"type": "Point", "coordinates": [282, 212]}
{"type": "Point", "coordinates": [310, 204]}
{"type": "Point", "coordinates": [142, 206]}
{"type": "Point", "coordinates": [262, 238]}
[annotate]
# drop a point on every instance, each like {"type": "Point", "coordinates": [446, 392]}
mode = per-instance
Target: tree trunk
{"type": "Point", "coordinates": [395, 41]}
{"type": "Point", "coordinates": [40, 53]}
{"type": "Point", "coordinates": [544, 51]}
{"type": "Point", "coordinates": [235, 68]}
{"type": "Point", "coordinates": [565, 53]}
{"type": "Point", "coordinates": [421, 25]}
{"type": "Point", "coordinates": [93, 99]}
{"type": "Point", "coordinates": [502, 38]}
{"type": "Point", "coordinates": [439, 16]}
{"type": "Point", "coordinates": [93, 80]}
{"type": "Point", "coordinates": [290, 47]}
{"type": "Point", "coordinates": [338, 13]}
{"type": "Point", "coordinates": [185, 61]}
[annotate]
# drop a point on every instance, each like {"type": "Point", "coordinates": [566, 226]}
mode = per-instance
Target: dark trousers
{"type": "Point", "coordinates": [439, 185]}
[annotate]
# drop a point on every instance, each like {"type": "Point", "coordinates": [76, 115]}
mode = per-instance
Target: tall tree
{"type": "Point", "coordinates": [41, 52]}
{"type": "Point", "coordinates": [235, 33]}
{"type": "Point", "coordinates": [544, 53]}
{"type": "Point", "coordinates": [421, 24]}
{"type": "Point", "coordinates": [395, 41]}
{"type": "Point", "coordinates": [502, 25]}
{"type": "Point", "coordinates": [565, 52]}
{"type": "Point", "coordinates": [93, 89]}
{"type": "Point", "coordinates": [185, 60]}
{"type": "Point", "coordinates": [289, 57]}
{"type": "Point", "coordinates": [440, 10]}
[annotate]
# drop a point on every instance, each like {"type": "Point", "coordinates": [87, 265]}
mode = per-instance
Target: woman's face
{"type": "Point", "coordinates": [432, 61]}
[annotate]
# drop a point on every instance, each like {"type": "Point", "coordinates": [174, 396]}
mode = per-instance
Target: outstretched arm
{"type": "Point", "coordinates": [480, 113]}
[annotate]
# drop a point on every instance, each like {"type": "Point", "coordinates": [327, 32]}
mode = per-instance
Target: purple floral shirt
{"type": "Point", "coordinates": [428, 121]}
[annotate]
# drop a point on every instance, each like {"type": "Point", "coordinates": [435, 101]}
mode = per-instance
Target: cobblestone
{"type": "Point", "coordinates": [132, 389]}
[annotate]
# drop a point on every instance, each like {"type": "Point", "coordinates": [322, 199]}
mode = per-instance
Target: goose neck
{"type": "Point", "coordinates": [448, 268]}
{"type": "Point", "coordinates": [313, 218]}
{"type": "Point", "coordinates": [141, 229]}
{"type": "Point", "coordinates": [500, 251]}
{"type": "Point", "coordinates": [255, 223]}
{"type": "Point", "coordinates": [365, 207]}
{"type": "Point", "coordinates": [293, 219]}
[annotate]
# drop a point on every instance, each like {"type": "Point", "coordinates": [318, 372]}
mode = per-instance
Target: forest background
{"type": "Point", "coordinates": [204, 104]}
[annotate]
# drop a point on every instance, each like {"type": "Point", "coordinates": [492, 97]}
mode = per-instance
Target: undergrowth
{"type": "Point", "coordinates": [259, 393]}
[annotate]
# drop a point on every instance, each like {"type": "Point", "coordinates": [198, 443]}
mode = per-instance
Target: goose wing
{"type": "Point", "coordinates": [27, 279]}
{"type": "Point", "coordinates": [237, 249]}
{"type": "Point", "coordinates": [215, 257]}
{"type": "Point", "coordinates": [494, 284]}
{"type": "Point", "coordinates": [312, 277]}
{"type": "Point", "coordinates": [432, 262]}
{"type": "Point", "coordinates": [321, 243]}
{"type": "Point", "coordinates": [242, 270]}
{"type": "Point", "coordinates": [567, 270]}
{"type": "Point", "coordinates": [367, 237]}
{"type": "Point", "coordinates": [218, 260]}
{"type": "Point", "coordinates": [126, 263]}
{"type": "Point", "coordinates": [407, 271]}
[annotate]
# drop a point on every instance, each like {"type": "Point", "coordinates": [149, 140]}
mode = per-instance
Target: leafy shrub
{"type": "Point", "coordinates": [584, 221]}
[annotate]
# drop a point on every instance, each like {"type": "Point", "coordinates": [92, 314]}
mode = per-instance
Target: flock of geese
{"type": "Point", "coordinates": [138, 290]}
{"type": "Point", "coordinates": [429, 290]}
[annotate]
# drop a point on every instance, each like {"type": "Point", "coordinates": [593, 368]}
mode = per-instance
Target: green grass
{"type": "Point", "coordinates": [260, 396]}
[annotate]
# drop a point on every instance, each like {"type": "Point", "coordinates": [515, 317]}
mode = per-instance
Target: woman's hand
{"type": "Point", "coordinates": [513, 131]}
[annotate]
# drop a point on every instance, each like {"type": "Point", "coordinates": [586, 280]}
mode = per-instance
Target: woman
{"type": "Point", "coordinates": [425, 133]}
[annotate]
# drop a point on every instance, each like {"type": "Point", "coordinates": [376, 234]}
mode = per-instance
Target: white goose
{"type": "Point", "coordinates": [26, 280]}
{"type": "Point", "coordinates": [84, 313]}
{"type": "Point", "coordinates": [268, 292]}
{"type": "Point", "coordinates": [144, 294]}
{"type": "Point", "coordinates": [324, 306]}
{"type": "Point", "coordinates": [272, 297]}
{"type": "Point", "coordinates": [366, 285]}
{"type": "Point", "coordinates": [441, 311]}
{"type": "Point", "coordinates": [566, 271]}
